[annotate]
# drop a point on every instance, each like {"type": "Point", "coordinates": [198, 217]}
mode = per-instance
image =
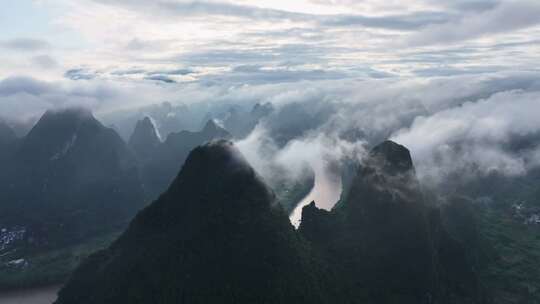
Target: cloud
{"type": "Point", "coordinates": [160, 78]}
{"type": "Point", "coordinates": [413, 21]}
{"type": "Point", "coordinates": [320, 151]}
{"type": "Point", "coordinates": [296, 40]}
{"type": "Point", "coordinates": [80, 74]}
{"type": "Point", "coordinates": [216, 8]}
{"type": "Point", "coordinates": [476, 133]}
{"type": "Point", "coordinates": [45, 61]}
{"type": "Point", "coordinates": [27, 85]}
{"type": "Point", "coordinates": [449, 123]}
{"type": "Point", "coordinates": [23, 97]}
{"type": "Point", "coordinates": [25, 44]}
{"type": "Point", "coordinates": [516, 15]}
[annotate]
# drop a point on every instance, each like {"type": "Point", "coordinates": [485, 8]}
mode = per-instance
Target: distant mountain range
{"type": "Point", "coordinates": [69, 178]}
{"type": "Point", "coordinates": [217, 233]}
{"type": "Point", "coordinates": [161, 161]}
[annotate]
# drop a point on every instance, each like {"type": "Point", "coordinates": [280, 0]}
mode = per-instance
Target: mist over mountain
{"type": "Point", "coordinates": [216, 235]}
{"type": "Point", "coordinates": [388, 241]}
{"type": "Point", "coordinates": [70, 163]}
{"type": "Point", "coordinates": [69, 186]}
{"type": "Point", "coordinates": [401, 140]}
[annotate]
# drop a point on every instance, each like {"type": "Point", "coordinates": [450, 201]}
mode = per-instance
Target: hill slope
{"type": "Point", "coordinates": [215, 236]}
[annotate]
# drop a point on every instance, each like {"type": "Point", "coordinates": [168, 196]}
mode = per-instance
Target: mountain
{"type": "Point", "coordinates": [215, 236]}
{"type": "Point", "coordinates": [183, 142]}
{"type": "Point", "coordinates": [78, 177]}
{"type": "Point", "coordinates": [159, 170]}
{"type": "Point", "coordinates": [145, 139]}
{"type": "Point", "coordinates": [240, 123]}
{"type": "Point", "coordinates": [6, 133]}
{"type": "Point", "coordinates": [8, 141]}
{"type": "Point", "coordinates": [387, 243]}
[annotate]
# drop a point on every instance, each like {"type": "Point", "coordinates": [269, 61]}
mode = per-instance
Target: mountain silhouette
{"type": "Point", "coordinates": [215, 236]}
{"type": "Point", "coordinates": [145, 139]}
{"type": "Point", "coordinates": [78, 177]}
{"type": "Point", "coordinates": [8, 141]}
{"type": "Point", "coordinates": [161, 162]}
{"type": "Point", "coordinates": [387, 243]}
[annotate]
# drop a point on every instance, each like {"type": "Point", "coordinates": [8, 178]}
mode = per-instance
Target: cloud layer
{"type": "Point", "coordinates": [453, 78]}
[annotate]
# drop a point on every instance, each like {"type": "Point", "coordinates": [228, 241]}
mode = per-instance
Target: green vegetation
{"type": "Point", "coordinates": [51, 267]}
{"type": "Point", "coordinates": [513, 273]}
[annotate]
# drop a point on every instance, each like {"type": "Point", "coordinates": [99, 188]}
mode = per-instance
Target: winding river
{"type": "Point", "coordinates": [326, 192]}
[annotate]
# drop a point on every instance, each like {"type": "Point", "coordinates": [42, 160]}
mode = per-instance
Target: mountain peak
{"type": "Point", "coordinates": [78, 113]}
{"type": "Point", "coordinates": [211, 126]}
{"type": "Point", "coordinates": [64, 121]}
{"type": "Point", "coordinates": [57, 130]}
{"type": "Point", "coordinates": [220, 149]}
{"type": "Point", "coordinates": [144, 138]}
{"type": "Point", "coordinates": [262, 109]}
{"type": "Point", "coordinates": [391, 157]}
{"type": "Point", "coordinates": [212, 237]}
{"type": "Point", "coordinates": [217, 157]}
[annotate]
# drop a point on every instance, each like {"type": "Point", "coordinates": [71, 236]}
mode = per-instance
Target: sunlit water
{"type": "Point", "coordinates": [31, 296]}
{"type": "Point", "coordinates": [325, 193]}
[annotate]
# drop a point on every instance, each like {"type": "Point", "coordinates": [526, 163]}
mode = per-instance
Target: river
{"type": "Point", "coordinates": [325, 192]}
{"type": "Point", "coordinates": [45, 295]}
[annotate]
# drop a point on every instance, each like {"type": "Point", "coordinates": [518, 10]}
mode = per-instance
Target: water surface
{"type": "Point", "coordinates": [325, 192]}
{"type": "Point", "coordinates": [45, 295]}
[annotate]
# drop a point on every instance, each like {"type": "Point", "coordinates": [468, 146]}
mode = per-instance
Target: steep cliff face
{"type": "Point", "coordinates": [387, 242]}
{"type": "Point", "coordinates": [215, 236]}
{"type": "Point", "coordinates": [144, 140]}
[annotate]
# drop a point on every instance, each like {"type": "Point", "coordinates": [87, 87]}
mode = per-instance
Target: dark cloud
{"type": "Point", "coordinates": [472, 5]}
{"type": "Point", "coordinates": [226, 56]}
{"type": "Point", "coordinates": [160, 78]}
{"type": "Point", "coordinates": [516, 15]}
{"type": "Point", "coordinates": [411, 21]}
{"type": "Point", "coordinates": [257, 74]}
{"type": "Point", "coordinates": [452, 71]}
{"type": "Point", "coordinates": [80, 74]}
{"type": "Point", "coordinates": [181, 72]}
{"type": "Point", "coordinates": [152, 73]}
{"type": "Point", "coordinates": [24, 44]}
{"type": "Point", "coordinates": [202, 8]}
{"type": "Point", "coordinates": [125, 72]}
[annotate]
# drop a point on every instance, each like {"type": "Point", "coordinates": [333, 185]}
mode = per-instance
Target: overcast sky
{"type": "Point", "coordinates": [253, 41]}
{"type": "Point", "coordinates": [426, 73]}
{"type": "Point", "coordinates": [117, 54]}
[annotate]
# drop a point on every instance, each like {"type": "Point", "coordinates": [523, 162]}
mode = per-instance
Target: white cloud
{"type": "Point", "coordinates": [478, 133]}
